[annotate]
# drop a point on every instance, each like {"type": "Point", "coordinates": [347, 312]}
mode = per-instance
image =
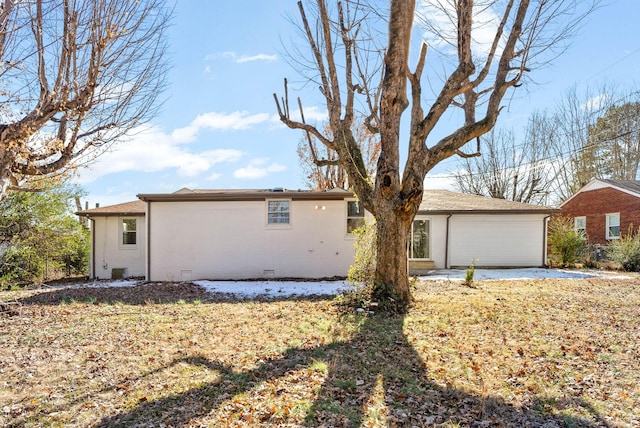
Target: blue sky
{"type": "Point", "coordinates": [218, 126]}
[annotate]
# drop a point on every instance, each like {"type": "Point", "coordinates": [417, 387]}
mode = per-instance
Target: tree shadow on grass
{"type": "Point", "coordinates": [375, 377]}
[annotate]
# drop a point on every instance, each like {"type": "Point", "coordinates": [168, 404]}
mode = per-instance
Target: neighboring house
{"type": "Point", "coordinates": [244, 234]}
{"type": "Point", "coordinates": [604, 209]}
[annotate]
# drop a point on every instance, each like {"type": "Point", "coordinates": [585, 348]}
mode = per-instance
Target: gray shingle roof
{"type": "Point", "coordinates": [125, 208]}
{"type": "Point", "coordinates": [433, 201]}
{"type": "Point", "coordinates": [445, 201]}
{"type": "Point", "coordinates": [630, 185]}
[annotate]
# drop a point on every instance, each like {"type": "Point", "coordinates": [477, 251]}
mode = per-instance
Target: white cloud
{"type": "Point", "coordinates": [441, 181]}
{"type": "Point", "coordinates": [215, 176]}
{"type": "Point", "coordinates": [235, 121]}
{"type": "Point", "coordinates": [312, 115]}
{"type": "Point", "coordinates": [259, 57]}
{"type": "Point", "coordinates": [239, 59]}
{"type": "Point", "coordinates": [153, 150]}
{"type": "Point", "coordinates": [596, 103]}
{"type": "Point", "coordinates": [439, 21]}
{"type": "Point", "coordinates": [258, 168]}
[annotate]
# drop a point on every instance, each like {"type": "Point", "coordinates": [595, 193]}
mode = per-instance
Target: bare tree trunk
{"type": "Point", "coordinates": [391, 287]}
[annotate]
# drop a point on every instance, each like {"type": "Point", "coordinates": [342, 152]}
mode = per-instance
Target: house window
{"type": "Point", "coordinates": [580, 226]}
{"type": "Point", "coordinates": [355, 216]}
{"type": "Point", "coordinates": [278, 212]}
{"type": "Point", "coordinates": [613, 226]}
{"type": "Point", "coordinates": [419, 240]}
{"type": "Point", "coordinates": [129, 231]}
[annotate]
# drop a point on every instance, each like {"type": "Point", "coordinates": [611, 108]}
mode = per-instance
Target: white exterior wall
{"type": "Point", "coordinates": [231, 240]}
{"type": "Point", "coordinates": [496, 240]}
{"type": "Point", "coordinates": [437, 237]}
{"type": "Point", "coordinates": [108, 251]}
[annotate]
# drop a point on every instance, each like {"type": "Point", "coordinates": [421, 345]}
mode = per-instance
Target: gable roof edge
{"type": "Point", "coordinates": [605, 183]}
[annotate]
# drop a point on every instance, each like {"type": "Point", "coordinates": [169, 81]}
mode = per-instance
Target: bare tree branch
{"type": "Point", "coordinates": [90, 71]}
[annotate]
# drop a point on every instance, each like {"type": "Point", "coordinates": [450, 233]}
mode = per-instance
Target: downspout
{"type": "Point", "coordinates": [93, 248]}
{"type": "Point", "coordinates": [148, 249]}
{"type": "Point", "coordinates": [446, 245]}
{"type": "Point", "coordinates": [545, 227]}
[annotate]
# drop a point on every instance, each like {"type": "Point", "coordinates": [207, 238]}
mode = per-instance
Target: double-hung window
{"type": "Point", "coordinates": [355, 216]}
{"type": "Point", "coordinates": [129, 231]}
{"type": "Point", "coordinates": [613, 226]}
{"type": "Point", "coordinates": [278, 212]}
{"type": "Point", "coordinates": [580, 226]}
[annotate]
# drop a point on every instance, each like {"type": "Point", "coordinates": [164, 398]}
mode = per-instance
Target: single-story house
{"type": "Point", "coordinates": [277, 233]}
{"type": "Point", "coordinates": [604, 209]}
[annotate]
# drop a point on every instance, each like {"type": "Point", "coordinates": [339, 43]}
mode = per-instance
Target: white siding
{"type": "Point", "coordinates": [109, 254]}
{"type": "Point", "coordinates": [231, 240]}
{"type": "Point", "coordinates": [438, 238]}
{"type": "Point", "coordinates": [496, 240]}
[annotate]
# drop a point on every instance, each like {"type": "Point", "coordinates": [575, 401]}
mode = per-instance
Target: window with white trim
{"type": "Point", "coordinates": [580, 226]}
{"type": "Point", "coordinates": [129, 231]}
{"type": "Point", "coordinates": [278, 212]}
{"type": "Point", "coordinates": [419, 247]}
{"type": "Point", "coordinates": [613, 226]}
{"type": "Point", "coordinates": [355, 216]}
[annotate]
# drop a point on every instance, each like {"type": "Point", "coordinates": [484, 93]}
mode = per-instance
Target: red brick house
{"type": "Point", "coordinates": [604, 209]}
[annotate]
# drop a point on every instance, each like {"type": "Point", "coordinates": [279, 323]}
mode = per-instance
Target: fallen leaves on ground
{"type": "Point", "coordinates": [538, 353]}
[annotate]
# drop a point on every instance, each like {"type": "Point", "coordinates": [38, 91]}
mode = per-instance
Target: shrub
{"type": "Point", "coordinates": [468, 278]}
{"type": "Point", "coordinates": [626, 251]}
{"type": "Point", "coordinates": [566, 243]}
{"type": "Point", "coordinates": [40, 237]}
{"type": "Point", "coordinates": [362, 272]}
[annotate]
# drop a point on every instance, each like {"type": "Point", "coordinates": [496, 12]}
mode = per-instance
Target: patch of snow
{"type": "Point", "coordinates": [516, 274]}
{"type": "Point", "coordinates": [283, 289]}
{"type": "Point", "coordinates": [102, 284]}
{"type": "Point", "coordinates": [275, 289]}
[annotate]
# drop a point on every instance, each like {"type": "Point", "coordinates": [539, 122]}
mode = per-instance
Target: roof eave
{"type": "Point", "coordinates": [253, 196]}
{"type": "Point", "coordinates": [486, 211]}
{"type": "Point", "coordinates": [106, 214]}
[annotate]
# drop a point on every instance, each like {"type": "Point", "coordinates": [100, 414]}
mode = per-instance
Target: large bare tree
{"type": "Point", "coordinates": [340, 41]}
{"type": "Point", "coordinates": [76, 76]}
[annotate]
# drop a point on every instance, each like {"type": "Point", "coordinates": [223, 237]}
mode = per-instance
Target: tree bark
{"type": "Point", "coordinates": [391, 283]}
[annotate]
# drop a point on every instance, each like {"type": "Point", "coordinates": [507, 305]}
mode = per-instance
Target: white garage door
{"type": "Point", "coordinates": [496, 240]}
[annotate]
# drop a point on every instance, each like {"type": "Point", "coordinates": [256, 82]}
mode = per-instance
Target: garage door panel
{"type": "Point", "coordinates": [496, 240]}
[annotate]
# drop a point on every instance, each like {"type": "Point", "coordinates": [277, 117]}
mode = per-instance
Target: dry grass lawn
{"type": "Point", "coordinates": [540, 353]}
